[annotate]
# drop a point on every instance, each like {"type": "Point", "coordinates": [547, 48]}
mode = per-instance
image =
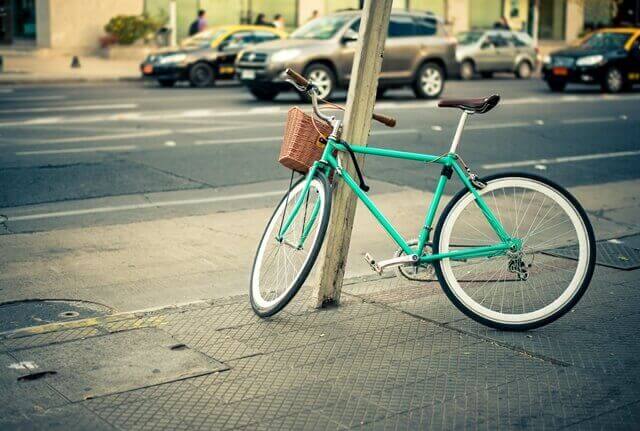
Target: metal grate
{"type": "Point", "coordinates": [608, 253]}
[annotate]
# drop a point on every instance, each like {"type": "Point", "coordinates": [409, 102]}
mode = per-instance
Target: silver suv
{"type": "Point", "coordinates": [418, 53]}
{"type": "Point", "coordinates": [489, 51]}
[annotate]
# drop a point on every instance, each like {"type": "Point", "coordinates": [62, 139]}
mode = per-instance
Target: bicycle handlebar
{"type": "Point", "coordinates": [305, 85]}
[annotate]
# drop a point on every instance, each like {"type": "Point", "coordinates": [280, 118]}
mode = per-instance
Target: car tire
{"type": "Point", "coordinates": [201, 75]}
{"type": "Point", "coordinates": [323, 77]}
{"type": "Point", "coordinates": [467, 70]}
{"type": "Point", "coordinates": [524, 70]}
{"type": "Point", "coordinates": [429, 81]}
{"type": "Point", "coordinates": [265, 94]}
{"type": "Point", "coordinates": [486, 75]}
{"type": "Point", "coordinates": [613, 81]}
{"type": "Point", "coordinates": [167, 82]}
{"type": "Point", "coordinates": [557, 86]}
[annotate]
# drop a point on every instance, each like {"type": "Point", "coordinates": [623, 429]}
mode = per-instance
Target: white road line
{"type": "Point", "coordinates": [590, 120]}
{"type": "Point", "coordinates": [556, 160]}
{"type": "Point", "coordinates": [98, 210]}
{"type": "Point", "coordinates": [279, 138]}
{"type": "Point", "coordinates": [498, 126]}
{"type": "Point", "coordinates": [97, 138]}
{"type": "Point", "coordinates": [69, 108]}
{"type": "Point", "coordinates": [31, 98]}
{"type": "Point", "coordinates": [78, 150]}
{"type": "Point", "coordinates": [6, 90]}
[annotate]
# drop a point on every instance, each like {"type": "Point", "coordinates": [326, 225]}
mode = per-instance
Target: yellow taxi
{"type": "Point", "coordinates": [609, 57]}
{"type": "Point", "coordinates": [207, 56]}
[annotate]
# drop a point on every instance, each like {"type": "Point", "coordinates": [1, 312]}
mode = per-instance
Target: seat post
{"type": "Point", "coordinates": [458, 135]}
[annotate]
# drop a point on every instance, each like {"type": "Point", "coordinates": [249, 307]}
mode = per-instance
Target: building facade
{"type": "Point", "coordinates": [77, 25]}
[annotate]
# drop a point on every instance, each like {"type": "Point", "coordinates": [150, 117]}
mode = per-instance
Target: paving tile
{"type": "Point", "coordinates": [70, 417]}
{"type": "Point", "coordinates": [54, 337]}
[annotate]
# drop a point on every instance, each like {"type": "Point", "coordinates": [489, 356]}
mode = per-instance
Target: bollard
{"type": "Point", "coordinates": [75, 62]}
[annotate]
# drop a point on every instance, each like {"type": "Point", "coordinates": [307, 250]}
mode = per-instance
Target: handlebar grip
{"type": "Point", "coordinates": [387, 121]}
{"type": "Point", "coordinates": [297, 78]}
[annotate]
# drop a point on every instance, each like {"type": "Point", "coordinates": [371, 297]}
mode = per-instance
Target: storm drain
{"type": "Point", "coordinates": [608, 253]}
{"type": "Point", "coordinates": [22, 314]}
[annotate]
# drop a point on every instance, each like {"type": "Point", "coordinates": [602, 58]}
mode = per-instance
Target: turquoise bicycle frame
{"type": "Point", "coordinates": [328, 162]}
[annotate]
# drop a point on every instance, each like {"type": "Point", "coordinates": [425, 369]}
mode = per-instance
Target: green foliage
{"type": "Point", "coordinates": [130, 28]}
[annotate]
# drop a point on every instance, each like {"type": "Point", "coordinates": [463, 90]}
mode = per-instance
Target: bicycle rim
{"type": "Point", "coordinates": [520, 289]}
{"type": "Point", "coordinates": [281, 267]}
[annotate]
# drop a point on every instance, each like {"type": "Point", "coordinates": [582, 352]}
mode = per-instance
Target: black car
{"type": "Point", "coordinates": [205, 57]}
{"type": "Point", "coordinates": [609, 58]}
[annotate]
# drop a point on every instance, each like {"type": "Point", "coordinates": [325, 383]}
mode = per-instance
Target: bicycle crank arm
{"type": "Point", "coordinates": [379, 267]}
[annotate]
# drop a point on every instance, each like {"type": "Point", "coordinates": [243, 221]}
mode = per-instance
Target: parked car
{"type": "Point", "coordinates": [608, 57]}
{"type": "Point", "coordinates": [418, 53]}
{"type": "Point", "coordinates": [489, 51]}
{"type": "Point", "coordinates": [207, 56]}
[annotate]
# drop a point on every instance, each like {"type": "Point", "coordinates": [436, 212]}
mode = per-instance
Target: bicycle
{"type": "Point", "coordinates": [494, 250]}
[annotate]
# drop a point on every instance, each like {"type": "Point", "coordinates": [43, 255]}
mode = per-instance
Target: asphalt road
{"type": "Point", "coordinates": [116, 144]}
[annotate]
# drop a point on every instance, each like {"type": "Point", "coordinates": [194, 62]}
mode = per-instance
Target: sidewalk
{"type": "Point", "coordinates": [56, 68]}
{"type": "Point", "coordinates": [395, 355]}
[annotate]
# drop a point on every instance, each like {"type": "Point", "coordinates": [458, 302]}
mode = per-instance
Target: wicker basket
{"type": "Point", "coordinates": [302, 144]}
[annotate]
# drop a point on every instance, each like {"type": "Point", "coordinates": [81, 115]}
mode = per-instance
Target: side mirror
{"type": "Point", "coordinates": [350, 36]}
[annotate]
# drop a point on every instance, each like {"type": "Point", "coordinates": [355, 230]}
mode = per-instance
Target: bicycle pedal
{"type": "Point", "coordinates": [373, 264]}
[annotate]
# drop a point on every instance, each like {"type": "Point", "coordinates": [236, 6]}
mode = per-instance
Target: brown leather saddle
{"type": "Point", "coordinates": [476, 106]}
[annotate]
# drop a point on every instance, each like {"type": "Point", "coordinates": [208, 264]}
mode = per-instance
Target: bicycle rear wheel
{"type": "Point", "coordinates": [530, 288]}
{"type": "Point", "coordinates": [281, 267]}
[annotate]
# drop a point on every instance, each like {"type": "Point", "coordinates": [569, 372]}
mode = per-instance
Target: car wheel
{"type": "Point", "coordinates": [263, 93]}
{"type": "Point", "coordinates": [557, 86]}
{"type": "Point", "coordinates": [467, 70]}
{"type": "Point", "coordinates": [167, 82]}
{"type": "Point", "coordinates": [486, 75]}
{"type": "Point", "coordinates": [524, 70]}
{"type": "Point", "coordinates": [429, 81]}
{"type": "Point", "coordinates": [324, 79]}
{"type": "Point", "coordinates": [201, 75]}
{"type": "Point", "coordinates": [613, 81]}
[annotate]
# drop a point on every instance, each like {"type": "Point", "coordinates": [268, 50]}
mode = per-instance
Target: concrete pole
{"type": "Point", "coordinates": [357, 124]}
{"type": "Point", "coordinates": [173, 23]}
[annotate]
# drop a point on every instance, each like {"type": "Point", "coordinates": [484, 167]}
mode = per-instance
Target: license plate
{"type": "Point", "coordinates": [248, 74]}
{"type": "Point", "coordinates": [226, 70]}
{"type": "Point", "coordinates": [147, 69]}
{"type": "Point", "coordinates": [560, 71]}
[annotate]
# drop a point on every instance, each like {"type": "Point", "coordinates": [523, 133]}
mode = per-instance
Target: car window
{"type": "Point", "coordinates": [264, 36]}
{"type": "Point", "coordinates": [402, 26]}
{"type": "Point", "coordinates": [355, 26]}
{"type": "Point", "coordinates": [239, 38]}
{"type": "Point", "coordinates": [321, 28]}
{"type": "Point", "coordinates": [426, 26]}
{"type": "Point", "coordinates": [606, 40]}
{"type": "Point", "coordinates": [516, 41]}
{"type": "Point", "coordinates": [498, 41]}
{"type": "Point", "coordinates": [469, 37]}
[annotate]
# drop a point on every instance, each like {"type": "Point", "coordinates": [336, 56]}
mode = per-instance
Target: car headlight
{"type": "Point", "coordinates": [173, 58]}
{"type": "Point", "coordinates": [546, 59]}
{"type": "Point", "coordinates": [285, 55]}
{"type": "Point", "coordinates": [590, 60]}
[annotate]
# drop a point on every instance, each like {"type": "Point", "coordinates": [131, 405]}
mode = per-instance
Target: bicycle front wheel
{"type": "Point", "coordinates": [282, 265]}
{"type": "Point", "coordinates": [517, 290]}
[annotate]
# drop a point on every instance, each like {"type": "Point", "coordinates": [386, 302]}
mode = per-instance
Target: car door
{"type": "Point", "coordinates": [487, 56]}
{"type": "Point", "coordinates": [346, 50]}
{"type": "Point", "coordinates": [401, 47]}
{"type": "Point", "coordinates": [633, 60]}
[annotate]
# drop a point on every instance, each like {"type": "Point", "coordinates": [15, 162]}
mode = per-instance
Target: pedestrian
{"type": "Point", "coordinates": [261, 20]}
{"type": "Point", "coordinates": [199, 24]}
{"type": "Point", "coordinates": [278, 21]}
{"type": "Point", "coordinates": [503, 24]}
{"type": "Point", "coordinates": [315, 14]}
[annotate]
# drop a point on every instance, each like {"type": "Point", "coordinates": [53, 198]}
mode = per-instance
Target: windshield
{"type": "Point", "coordinates": [322, 28]}
{"type": "Point", "coordinates": [607, 40]}
{"type": "Point", "coordinates": [204, 38]}
{"type": "Point", "coordinates": [469, 37]}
